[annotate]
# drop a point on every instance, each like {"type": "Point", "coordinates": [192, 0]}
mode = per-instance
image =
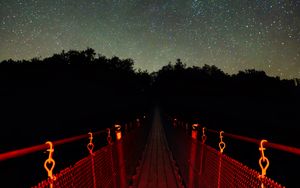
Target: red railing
{"type": "Point", "coordinates": [280, 147]}
{"type": "Point", "coordinates": [42, 147]}
{"type": "Point", "coordinates": [109, 166]}
{"type": "Point", "coordinates": [202, 165]}
{"type": "Point", "coordinates": [198, 163]}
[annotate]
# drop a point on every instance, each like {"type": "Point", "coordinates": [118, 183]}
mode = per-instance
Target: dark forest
{"type": "Point", "coordinates": [77, 91]}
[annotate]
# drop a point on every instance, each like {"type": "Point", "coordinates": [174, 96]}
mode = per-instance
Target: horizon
{"type": "Point", "coordinates": [159, 68]}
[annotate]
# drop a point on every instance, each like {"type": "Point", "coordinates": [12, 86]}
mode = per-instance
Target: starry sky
{"type": "Point", "coordinates": [231, 34]}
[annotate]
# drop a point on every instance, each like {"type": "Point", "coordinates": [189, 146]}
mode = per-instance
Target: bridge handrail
{"type": "Point", "coordinates": [281, 147]}
{"type": "Point", "coordinates": [40, 147]}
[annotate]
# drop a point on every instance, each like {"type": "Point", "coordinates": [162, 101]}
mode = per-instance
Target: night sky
{"type": "Point", "coordinates": [233, 35]}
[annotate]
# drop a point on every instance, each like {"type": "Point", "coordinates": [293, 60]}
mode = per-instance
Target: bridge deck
{"type": "Point", "coordinates": [157, 169]}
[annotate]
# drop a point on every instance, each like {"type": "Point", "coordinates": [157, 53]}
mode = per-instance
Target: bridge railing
{"type": "Point", "coordinates": [110, 166]}
{"type": "Point", "coordinates": [201, 165]}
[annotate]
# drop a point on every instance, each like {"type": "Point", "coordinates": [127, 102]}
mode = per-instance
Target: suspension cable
{"type": "Point", "coordinates": [40, 147]}
{"type": "Point", "coordinates": [281, 147]}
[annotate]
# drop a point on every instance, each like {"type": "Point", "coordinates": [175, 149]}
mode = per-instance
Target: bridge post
{"type": "Point", "coordinates": [194, 131]}
{"type": "Point", "coordinates": [121, 162]}
{"type": "Point", "coordinates": [138, 123]}
{"type": "Point", "coordinates": [174, 122]}
{"type": "Point", "coordinates": [193, 154]}
{"type": "Point", "coordinates": [201, 154]}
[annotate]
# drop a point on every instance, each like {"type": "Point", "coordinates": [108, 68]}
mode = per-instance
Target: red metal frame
{"type": "Point", "coordinates": [281, 147]}
{"type": "Point", "coordinates": [32, 149]}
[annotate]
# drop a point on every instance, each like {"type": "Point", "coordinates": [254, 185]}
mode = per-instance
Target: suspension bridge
{"type": "Point", "coordinates": [155, 156]}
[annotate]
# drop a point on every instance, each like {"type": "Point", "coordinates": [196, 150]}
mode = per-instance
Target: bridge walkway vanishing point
{"type": "Point", "coordinates": [157, 168]}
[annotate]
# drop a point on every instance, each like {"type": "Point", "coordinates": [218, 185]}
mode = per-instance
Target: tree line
{"type": "Point", "coordinates": [118, 75]}
{"type": "Point", "coordinates": [114, 85]}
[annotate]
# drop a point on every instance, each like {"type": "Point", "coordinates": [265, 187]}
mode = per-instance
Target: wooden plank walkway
{"type": "Point", "coordinates": [157, 169]}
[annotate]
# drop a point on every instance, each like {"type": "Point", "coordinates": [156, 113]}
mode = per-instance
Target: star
{"type": "Point", "coordinates": [230, 35]}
